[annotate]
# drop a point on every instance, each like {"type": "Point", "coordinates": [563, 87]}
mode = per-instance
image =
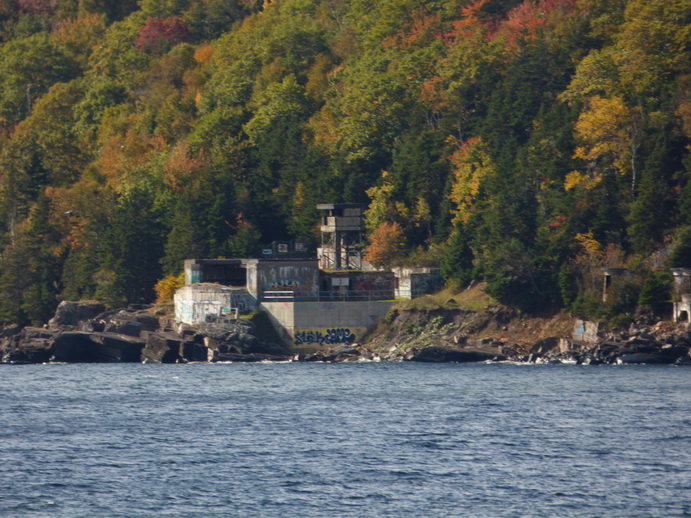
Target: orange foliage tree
{"type": "Point", "coordinates": [387, 245]}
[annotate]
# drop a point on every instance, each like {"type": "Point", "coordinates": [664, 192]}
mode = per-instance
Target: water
{"type": "Point", "coordinates": [351, 440]}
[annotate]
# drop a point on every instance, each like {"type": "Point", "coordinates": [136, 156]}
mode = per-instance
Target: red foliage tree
{"type": "Point", "coordinates": [160, 34]}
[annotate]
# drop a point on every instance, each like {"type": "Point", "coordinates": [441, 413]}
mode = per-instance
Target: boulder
{"type": "Point", "coordinates": [124, 328]}
{"type": "Point", "coordinates": [673, 352]}
{"type": "Point", "coordinates": [125, 322]}
{"type": "Point", "coordinates": [196, 352]}
{"type": "Point", "coordinates": [81, 347]}
{"type": "Point", "coordinates": [72, 314]}
{"type": "Point", "coordinates": [30, 345]}
{"type": "Point", "coordinates": [545, 345]}
{"type": "Point", "coordinates": [162, 349]}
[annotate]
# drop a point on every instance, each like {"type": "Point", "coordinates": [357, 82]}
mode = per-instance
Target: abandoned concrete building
{"type": "Point", "coordinates": [311, 302]}
{"type": "Point", "coordinates": [682, 294]}
{"type": "Point", "coordinates": [681, 289]}
{"type": "Point", "coordinates": [613, 279]}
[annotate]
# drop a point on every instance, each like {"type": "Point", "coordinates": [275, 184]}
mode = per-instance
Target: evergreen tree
{"type": "Point", "coordinates": [457, 262]}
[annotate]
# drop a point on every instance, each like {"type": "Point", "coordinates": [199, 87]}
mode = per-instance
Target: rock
{"type": "Point", "coordinates": [545, 345]}
{"type": "Point", "coordinates": [73, 313]}
{"type": "Point", "coordinates": [443, 354]}
{"type": "Point", "coordinates": [647, 358]}
{"type": "Point", "coordinates": [30, 345]}
{"type": "Point", "coordinates": [123, 322]}
{"type": "Point", "coordinates": [337, 353]}
{"type": "Point", "coordinates": [249, 358]}
{"type": "Point", "coordinates": [162, 349]}
{"type": "Point", "coordinates": [124, 328]}
{"type": "Point", "coordinates": [81, 347]}
{"type": "Point", "coordinates": [266, 348]}
{"type": "Point", "coordinates": [246, 340]}
{"type": "Point", "coordinates": [673, 352]}
{"type": "Point", "coordinates": [10, 331]}
{"type": "Point", "coordinates": [196, 352]}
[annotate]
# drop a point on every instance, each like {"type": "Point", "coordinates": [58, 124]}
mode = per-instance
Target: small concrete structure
{"type": "Point", "coordinates": [227, 272]}
{"type": "Point", "coordinates": [682, 280]}
{"type": "Point", "coordinates": [194, 304]}
{"type": "Point", "coordinates": [612, 279]}
{"type": "Point", "coordinates": [682, 309]}
{"type": "Point", "coordinates": [415, 282]}
{"type": "Point", "coordinates": [682, 294]}
{"type": "Point", "coordinates": [584, 331]}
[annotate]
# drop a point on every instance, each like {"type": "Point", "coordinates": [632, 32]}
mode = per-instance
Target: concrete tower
{"type": "Point", "coordinates": [342, 228]}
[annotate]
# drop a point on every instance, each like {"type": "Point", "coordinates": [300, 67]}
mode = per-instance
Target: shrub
{"type": "Point", "coordinates": [165, 288]}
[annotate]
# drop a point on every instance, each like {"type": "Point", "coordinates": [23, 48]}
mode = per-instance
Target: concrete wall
{"type": "Point", "coordinates": [193, 303]}
{"type": "Point", "coordinates": [682, 310]}
{"type": "Point", "coordinates": [321, 324]}
{"type": "Point", "coordinates": [300, 277]}
{"type": "Point", "coordinates": [415, 282]}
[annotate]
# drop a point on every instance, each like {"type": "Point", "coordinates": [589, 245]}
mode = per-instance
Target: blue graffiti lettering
{"type": "Point", "coordinates": [340, 335]}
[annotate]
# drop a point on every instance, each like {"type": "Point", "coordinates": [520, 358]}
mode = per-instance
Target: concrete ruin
{"type": "Point", "coordinates": [414, 282]}
{"type": "Point", "coordinates": [307, 306]}
{"type": "Point", "coordinates": [682, 294]}
{"type": "Point", "coordinates": [613, 279]}
{"type": "Point", "coordinates": [311, 302]}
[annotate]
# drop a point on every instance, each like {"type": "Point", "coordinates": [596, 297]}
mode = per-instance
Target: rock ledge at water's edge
{"type": "Point", "coordinates": [85, 332]}
{"type": "Point", "coordinates": [502, 334]}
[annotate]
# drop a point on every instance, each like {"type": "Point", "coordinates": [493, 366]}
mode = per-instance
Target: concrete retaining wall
{"type": "Point", "coordinates": [321, 324]}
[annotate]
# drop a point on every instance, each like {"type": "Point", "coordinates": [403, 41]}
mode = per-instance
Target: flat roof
{"type": "Point", "coordinates": [327, 206]}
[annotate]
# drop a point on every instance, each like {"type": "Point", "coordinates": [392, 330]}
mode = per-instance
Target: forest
{"type": "Point", "coordinates": [524, 143]}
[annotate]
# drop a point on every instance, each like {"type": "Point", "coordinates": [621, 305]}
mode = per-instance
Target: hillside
{"type": "Point", "coordinates": [469, 319]}
{"type": "Point", "coordinates": [522, 143]}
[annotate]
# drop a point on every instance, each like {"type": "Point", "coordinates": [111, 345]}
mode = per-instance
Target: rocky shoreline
{"type": "Point", "coordinates": [500, 334]}
{"type": "Point", "coordinates": [87, 333]}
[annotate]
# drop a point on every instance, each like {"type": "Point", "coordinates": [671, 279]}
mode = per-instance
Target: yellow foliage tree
{"type": "Point", "coordinates": [165, 288]}
{"type": "Point", "coordinates": [471, 163]}
{"type": "Point", "coordinates": [609, 130]}
{"type": "Point", "coordinates": [384, 207]}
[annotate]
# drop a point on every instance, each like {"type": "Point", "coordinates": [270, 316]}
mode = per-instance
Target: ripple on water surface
{"type": "Point", "coordinates": [355, 440]}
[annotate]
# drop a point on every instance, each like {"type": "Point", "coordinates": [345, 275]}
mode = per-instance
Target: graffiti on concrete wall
{"type": "Point", "coordinates": [283, 285]}
{"type": "Point", "coordinates": [374, 284]}
{"type": "Point", "coordinates": [244, 302]}
{"type": "Point", "coordinates": [298, 287]}
{"type": "Point", "coordinates": [339, 335]}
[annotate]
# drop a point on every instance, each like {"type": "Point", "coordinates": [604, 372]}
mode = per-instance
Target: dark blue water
{"type": "Point", "coordinates": [357, 440]}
